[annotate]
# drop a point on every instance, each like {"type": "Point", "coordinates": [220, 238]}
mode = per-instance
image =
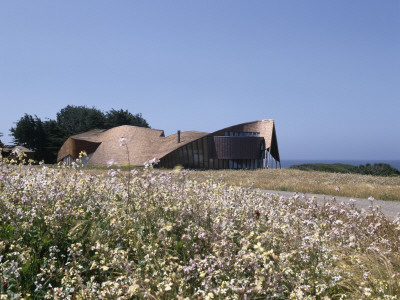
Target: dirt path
{"type": "Point", "coordinates": [390, 208]}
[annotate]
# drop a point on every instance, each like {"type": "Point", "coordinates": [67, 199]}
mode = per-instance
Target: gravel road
{"type": "Point", "coordinates": [390, 208]}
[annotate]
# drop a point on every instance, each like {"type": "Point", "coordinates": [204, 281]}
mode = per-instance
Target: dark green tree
{"type": "Point", "coordinates": [24, 132]}
{"type": "Point", "coordinates": [120, 117]}
{"type": "Point", "coordinates": [29, 132]}
{"type": "Point", "coordinates": [55, 138]}
{"type": "Point", "coordinates": [76, 119]}
{"type": "Point", "coordinates": [47, 137]}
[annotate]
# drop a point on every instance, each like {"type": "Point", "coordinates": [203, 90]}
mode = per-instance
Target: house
{"type": "Point", "coordinates": [249, 145]}
{"type": "Point", "coordinates": [14, 152]}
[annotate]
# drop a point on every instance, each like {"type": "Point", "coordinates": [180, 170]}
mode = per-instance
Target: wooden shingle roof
{"type": "Point", "coordinates": [143, 144]}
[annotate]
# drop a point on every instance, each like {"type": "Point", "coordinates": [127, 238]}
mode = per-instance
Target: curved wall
{"type": "Point", "coordinates": [72, 147]}
{"type": "Point", "coordinates": [250, 145]}
{"type": "Point", "coordinates": [204, 153]}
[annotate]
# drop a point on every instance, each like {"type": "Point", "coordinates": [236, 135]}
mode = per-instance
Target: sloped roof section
{"type": "Point", "coordinates": [266, 128]}
{"type": "Point", "coordinates": [22, 149]}
{"type": "Point", "coordinates": [143, 144]}
{"type": "Point", "coordinates": [170, 143]}
{"type": "Point", "coordinates": [92, 135]}
{"type": "Point", "coordinates": [140, 144]}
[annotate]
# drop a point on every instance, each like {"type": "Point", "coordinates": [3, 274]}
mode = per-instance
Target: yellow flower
{"type": "Point", "coordinates": [132, 290]}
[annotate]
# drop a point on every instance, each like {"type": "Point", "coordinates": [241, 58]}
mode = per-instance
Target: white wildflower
{"type": "Point", "coordinates": [111, 162]}
{"type": "Point", "coordinates": [123, 141]}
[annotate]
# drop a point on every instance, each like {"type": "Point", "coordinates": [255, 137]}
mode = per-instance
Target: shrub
{"type": "Point", "coordinates": [379, 169]}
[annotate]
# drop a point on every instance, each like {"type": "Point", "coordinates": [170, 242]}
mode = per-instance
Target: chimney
{"type": "Point", "coordinates": [179, 136]}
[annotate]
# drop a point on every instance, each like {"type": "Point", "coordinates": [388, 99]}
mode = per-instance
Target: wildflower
{"type": "Point", "coordinates": [154, 161]}
{"type": "Point", "coordinates": [337, 189]}
{"type": "Point", "coordinates": [257, 212]}
{"type": "Point", "coordinates": [259, 247]}
{"type": "Point", "coordinates": [366, 274]}
{"type": "Point", "coordinates": [93, 266]}
{"type": "Point", "coordinates": [111, 162]}
{"type": "Point", "coordinates": [367, 292]}
{"type": "Point", "coordinates": [5, 285]}
{"type": "Point", "coordinates": [123, 141]}
{"type": "Point", "coordinates": [132, 290]}
{"type": "Point", "coordinates": [150, 163]}
{"type": "Point", "coordinates": [17, 151]}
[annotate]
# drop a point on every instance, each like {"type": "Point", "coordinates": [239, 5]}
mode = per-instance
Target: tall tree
{"type": "Point", "coordinates": [77, 119]}
{"type": "Point", "coordinates": [29, 132]}
{"type": "Point", "coordinates": [120, 117]}
{"type": "Point", "coordinates": [24, 132]}
{"type": "Point", "coordinates": [55, 138]}
{"type": "Point", "coordinates": [47, 137]}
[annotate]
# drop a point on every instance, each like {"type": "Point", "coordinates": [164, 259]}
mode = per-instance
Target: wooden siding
{"type": "Point", "coordinates": [217, 152]}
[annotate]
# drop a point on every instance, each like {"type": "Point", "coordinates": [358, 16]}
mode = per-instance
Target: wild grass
{"type": "Point", "coordinates": [69, 233]}
{"type": "Point", "coordinates": [310, 182]}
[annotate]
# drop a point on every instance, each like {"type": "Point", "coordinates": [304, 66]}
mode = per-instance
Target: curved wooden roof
{"type": "Point", "coordinates": [143, 144]}
{"type": "Point", "coordinates": [266, 128]}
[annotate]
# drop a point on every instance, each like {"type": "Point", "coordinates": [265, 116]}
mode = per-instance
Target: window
{"type": "Point", "coordinates": [242, 133]}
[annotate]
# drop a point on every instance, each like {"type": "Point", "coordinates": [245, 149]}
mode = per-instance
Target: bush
{"type": "Point", "coordinates": [379, 169]}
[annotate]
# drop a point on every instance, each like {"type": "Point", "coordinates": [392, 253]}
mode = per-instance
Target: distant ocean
{"type": "Point", "coordinates": [286, 163]}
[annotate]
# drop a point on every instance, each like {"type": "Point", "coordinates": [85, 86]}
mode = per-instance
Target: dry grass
{"type": "Point", "coordinates": [310, 182]}
{"type": "Point", "coordinates": [351, 185]}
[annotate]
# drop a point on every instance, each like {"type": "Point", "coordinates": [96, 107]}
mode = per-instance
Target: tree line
{"type": "Point", "coordinates": [47, 137]}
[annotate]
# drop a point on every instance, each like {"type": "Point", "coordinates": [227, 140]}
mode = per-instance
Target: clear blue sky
{"type": "Point", "coordinates": [328, 72]}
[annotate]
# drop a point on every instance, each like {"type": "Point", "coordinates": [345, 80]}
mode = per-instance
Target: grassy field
{"type": "Point", "coordinates": [311, 182]}
{"type": "Point", "coordinates": [70, 233]}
